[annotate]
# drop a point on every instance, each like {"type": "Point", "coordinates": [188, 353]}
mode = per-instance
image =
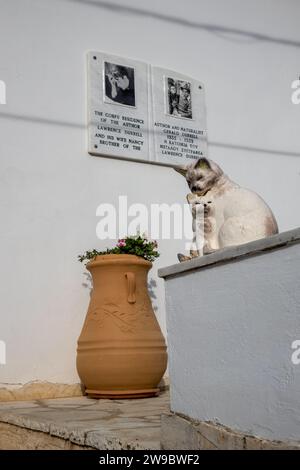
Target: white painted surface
{"type": "Point", "coordinates": [50, 187]}
{"type": "Point", "coordinates": [231, 328]}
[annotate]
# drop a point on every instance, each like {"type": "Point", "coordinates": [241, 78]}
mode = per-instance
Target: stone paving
{"type": "Point", "coordinates": [82, 421]}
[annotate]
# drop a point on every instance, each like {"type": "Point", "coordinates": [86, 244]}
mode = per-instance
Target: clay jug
{"type": "Point", "coordinates": [121, 350]}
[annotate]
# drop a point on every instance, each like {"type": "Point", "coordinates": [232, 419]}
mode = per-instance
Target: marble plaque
{"type": "Point", "coordinates": [144, 113]}
{"type": "Point", "coordinates": [118, 115]}
{"type": "Point", "coordinates": [178, 118]}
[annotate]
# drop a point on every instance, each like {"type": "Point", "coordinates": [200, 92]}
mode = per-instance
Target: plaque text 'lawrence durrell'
{"type": "Point", "coordinates": [144, 113]}
{"type": "Point", "coordinates": [114, 130]}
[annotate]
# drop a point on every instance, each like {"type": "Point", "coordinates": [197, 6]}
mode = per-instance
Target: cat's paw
{"type": "Point", "coordinates": [209, 251]}
{"type": "Point", "coordinates": [182, 257]}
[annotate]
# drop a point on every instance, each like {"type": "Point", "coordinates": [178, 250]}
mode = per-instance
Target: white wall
{"type": "Point", "coordinates": [231, 328]}
{"type": "Point", "coordinates": [50, 187]}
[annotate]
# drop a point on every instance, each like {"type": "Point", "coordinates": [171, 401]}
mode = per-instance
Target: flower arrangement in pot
{"type": "Point", "coordinates": [121, 350]}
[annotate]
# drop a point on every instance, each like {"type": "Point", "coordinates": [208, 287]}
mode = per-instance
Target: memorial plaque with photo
{"type": "Point", "coordinates": [118, 107]}
{"type": "Point", "coordinates": [144, 113]}
{"type": "Point", "coordinates": [119, 84]}
{"type": "Point", "coordinates": [178, 118]}
{"type": "Point", "coordinates": [179, 100]}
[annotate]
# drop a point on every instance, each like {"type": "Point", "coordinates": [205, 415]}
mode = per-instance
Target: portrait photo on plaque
{"type": "Point", "coordinates": [119, 84]}
{"type": "Point", "coordinates": [178, 98]}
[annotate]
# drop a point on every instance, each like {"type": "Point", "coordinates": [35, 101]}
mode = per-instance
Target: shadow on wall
{"type": "Point", "coordinates": [152, 285]}
{"type": "Point", "coordinates": [46, 121]}
{"type": "Point", "coordinates": [222, 31]}
{"type": "Point", "coordinates": [88, 282]}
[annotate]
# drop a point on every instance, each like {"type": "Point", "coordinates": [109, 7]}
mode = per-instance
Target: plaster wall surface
{"type": "Point", "coordinates": [50, 187]}
{"type": "Point", "coordinates": [231, 329]}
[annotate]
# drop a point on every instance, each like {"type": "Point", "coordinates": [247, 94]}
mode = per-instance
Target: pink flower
{"type": "Point", "coordinates": [121, 243]}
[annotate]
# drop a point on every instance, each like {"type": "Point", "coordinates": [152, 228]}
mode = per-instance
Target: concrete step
{"type": "Point", "coordinates": [82, 423]}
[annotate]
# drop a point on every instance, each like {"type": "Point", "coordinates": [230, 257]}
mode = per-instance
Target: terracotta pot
{"type": "Point", "coordinates": [121, 350]}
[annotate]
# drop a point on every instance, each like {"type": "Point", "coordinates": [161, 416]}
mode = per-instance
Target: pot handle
{"type": "Point", "coordinates": [130, 287]}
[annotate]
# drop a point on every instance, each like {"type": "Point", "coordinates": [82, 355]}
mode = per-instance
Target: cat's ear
{"type": "Point", "coordinates": [202, 164]}
{"type": "Point", "coordinates": [181, 169]}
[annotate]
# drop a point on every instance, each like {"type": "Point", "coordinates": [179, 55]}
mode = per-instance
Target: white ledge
{"type": "Point", "coordinates": [233, 253]}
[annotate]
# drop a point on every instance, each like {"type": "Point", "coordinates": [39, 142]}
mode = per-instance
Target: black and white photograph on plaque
{"type": "Point", "coordinates": [119, 84]}
{"type": "Point", "coordinates": [178, 98]}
